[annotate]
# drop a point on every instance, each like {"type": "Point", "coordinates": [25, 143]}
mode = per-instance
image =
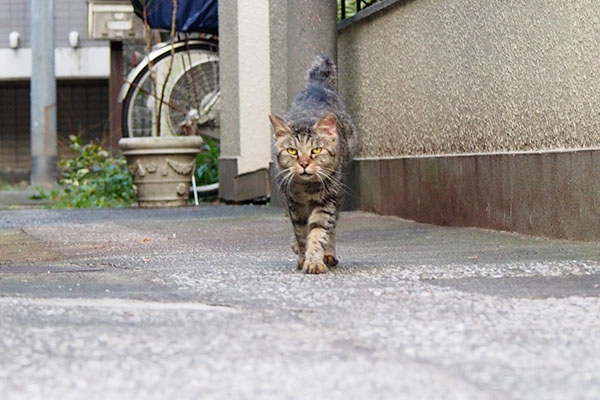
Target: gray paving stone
{"type": "Point", "coordinates": [206, 303]}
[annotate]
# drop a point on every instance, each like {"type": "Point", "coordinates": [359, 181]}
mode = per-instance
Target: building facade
{"type": "Point", "coordinates": [82, 71]}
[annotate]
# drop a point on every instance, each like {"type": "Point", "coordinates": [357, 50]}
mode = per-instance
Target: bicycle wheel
{"type": "Point", "coordinates": [191, 100]}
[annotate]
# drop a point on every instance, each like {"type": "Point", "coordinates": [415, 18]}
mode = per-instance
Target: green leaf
{"type": "Point", "coordinates": [82, 172]}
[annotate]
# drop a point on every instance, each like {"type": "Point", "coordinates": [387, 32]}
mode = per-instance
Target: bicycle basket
{"type": "Point", "coordinates": [192, 15]}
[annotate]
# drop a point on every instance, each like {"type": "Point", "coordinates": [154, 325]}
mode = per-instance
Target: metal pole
{"type": "Point", "coordinates": [43, 94]}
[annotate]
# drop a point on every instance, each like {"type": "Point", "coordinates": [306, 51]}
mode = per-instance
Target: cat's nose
{"type": "Point", "coordinates": [304, 163]}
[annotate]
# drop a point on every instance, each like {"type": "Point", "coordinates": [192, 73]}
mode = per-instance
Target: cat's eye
{"type": "Point", "coordinates": [292, 151]}
{"type": "Point", "coordinates": [317, 150]}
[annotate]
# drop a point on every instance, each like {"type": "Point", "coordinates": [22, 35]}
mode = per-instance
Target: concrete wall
{"type": "Point", "coordinates": [245, 82]}
{"type": "Point", "coordinates": [456, 76]}
{"type": "Point", "coordinates": [553, 193]}
{"type": "Point", "coordinates": [279, 56]}
{"type": "Point", "coordinates": [228, 81]}
{"type": "Point", "coordinates": [477, 113]}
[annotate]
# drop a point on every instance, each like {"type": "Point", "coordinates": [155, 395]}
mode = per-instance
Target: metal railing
{"type": "Point", "coordinates": [348, 8]}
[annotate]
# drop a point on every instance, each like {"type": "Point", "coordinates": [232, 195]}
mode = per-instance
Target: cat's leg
{"type": "Point", "coordinates": [299, 247]}
{"type": "Point", "coordinates": [296, 250]}
{"type": "Point", "coordinates": [320, 226]}
{"type": "Point", "coordinates": [329, 259]}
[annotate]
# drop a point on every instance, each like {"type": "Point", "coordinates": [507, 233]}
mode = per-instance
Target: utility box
{"type": "Point", "coordinates": [113, 20]}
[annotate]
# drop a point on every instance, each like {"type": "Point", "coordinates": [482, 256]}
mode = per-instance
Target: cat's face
{"type": "Point", "coordinates": [309, 154]}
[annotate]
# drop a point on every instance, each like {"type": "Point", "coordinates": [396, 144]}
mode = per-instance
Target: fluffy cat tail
{"type": "Point", "coordinates": [322, 70]}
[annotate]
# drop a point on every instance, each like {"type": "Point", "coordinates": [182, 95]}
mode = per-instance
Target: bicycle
{"type": "Point", "coordinates": [191, 95]}
{"type": "Point", "coordinates": [186, 76]}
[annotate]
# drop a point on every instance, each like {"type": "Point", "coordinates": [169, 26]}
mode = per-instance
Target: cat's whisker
{"type": "Point", "coordinates": [286, 181]}
{"type": "Point", "coordinates": [283, 171]}
{"type": "Point", "coordinates": [334, 181]}
{"type": "Point", "coordinates": [323, 187]}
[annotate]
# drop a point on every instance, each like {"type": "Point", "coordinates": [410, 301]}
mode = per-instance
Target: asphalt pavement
{"type": "Point", "coordinates": [206, 303]}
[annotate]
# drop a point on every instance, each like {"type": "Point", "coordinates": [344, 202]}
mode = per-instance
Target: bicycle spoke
{"type": "Point", "coordinates": [155, 96]}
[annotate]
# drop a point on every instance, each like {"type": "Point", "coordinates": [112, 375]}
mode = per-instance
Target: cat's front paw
{"type": "Point", "coordinates": [330, 260]}
{"type": "Point", "coordinates": [314, 268]}
{"type": "Point", "coordinates": [300, 263]}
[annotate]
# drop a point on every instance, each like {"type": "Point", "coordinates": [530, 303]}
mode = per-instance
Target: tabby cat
{"type": "Point", "coordinates": [314, 143]}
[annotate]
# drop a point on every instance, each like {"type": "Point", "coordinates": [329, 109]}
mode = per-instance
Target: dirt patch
{"type": "Point", "coordinates": [16, 246]}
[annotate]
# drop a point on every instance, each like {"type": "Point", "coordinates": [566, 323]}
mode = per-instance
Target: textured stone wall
{"type": "Point", "coordinates": [229, 80]}
{"type": "Point", "coordinates": [461, 76]}
{"type": "Point", "coordinates": [278, 37]}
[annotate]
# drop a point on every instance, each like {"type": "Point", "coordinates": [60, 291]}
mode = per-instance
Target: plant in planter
{"type": "Point", "coordinates": [162, 145]}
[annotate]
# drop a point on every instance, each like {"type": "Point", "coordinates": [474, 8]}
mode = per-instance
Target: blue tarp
{"type": "Point", "coordinates": [192, 15]}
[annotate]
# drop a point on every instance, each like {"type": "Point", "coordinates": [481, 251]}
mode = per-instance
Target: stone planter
{"type": "Point", "coordinates": [162, 168]}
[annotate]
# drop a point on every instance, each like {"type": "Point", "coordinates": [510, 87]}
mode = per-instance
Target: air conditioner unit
{"type": "Point", "coordinates": [113, 20]}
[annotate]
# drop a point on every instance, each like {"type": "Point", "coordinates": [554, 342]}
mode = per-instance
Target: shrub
{"type": "Point", "coordinates": [91, 178]}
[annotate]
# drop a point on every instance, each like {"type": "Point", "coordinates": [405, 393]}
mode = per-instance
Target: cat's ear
{"type": "Point", "coordinates": [327, 125]}
{"type": "Point", "coordinates": [279, 125]}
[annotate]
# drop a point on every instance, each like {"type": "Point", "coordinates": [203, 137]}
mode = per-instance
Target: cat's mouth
{"type": "Point", "coordinates": [305, 175]}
